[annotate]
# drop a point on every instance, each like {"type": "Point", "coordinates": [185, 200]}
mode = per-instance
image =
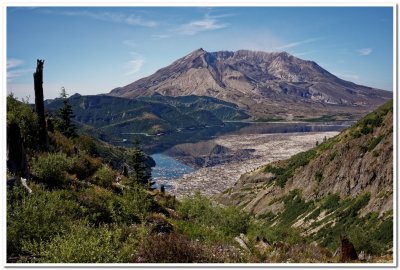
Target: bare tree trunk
{"type": "Point", "coordinates": [39, 102]}
{"type": "Point", "coordinates": [348, 252]}
{"type": "Point", "coordinates": [17, 162]}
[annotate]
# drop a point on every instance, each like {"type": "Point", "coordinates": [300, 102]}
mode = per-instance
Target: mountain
{"type": "Point", "coordinates": [343, 185]}
{"type": "Point", "coordinates": [266, 84]}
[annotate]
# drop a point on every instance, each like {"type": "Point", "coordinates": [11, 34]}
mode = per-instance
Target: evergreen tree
{"type": "Point", "coordinates": [66, 114]}
{"type": "Point", "coordinates": [140, 172]}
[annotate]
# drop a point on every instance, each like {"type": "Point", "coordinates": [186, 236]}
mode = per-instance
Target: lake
{"type": "Point", "coordinates": [161, 142]}
{"type": "Point", "coordinates": [167, 168]}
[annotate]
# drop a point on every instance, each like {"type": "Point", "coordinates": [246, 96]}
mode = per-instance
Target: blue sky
{"type": "Point", "coordinates": [91, 50]}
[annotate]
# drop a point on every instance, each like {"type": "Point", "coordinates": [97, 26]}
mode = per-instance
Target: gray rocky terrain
{"type": "Point", "coordinates": [265, 84]}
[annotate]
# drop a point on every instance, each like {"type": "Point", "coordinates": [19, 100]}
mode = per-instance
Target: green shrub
{"type": "Point", "coordinates": [373, 234]}
{"type": "Point", "coordinates": [384, 232]}
{"type": "Point", "coordinates": [330, 202]}
{"type": "Point", "coordinates": [374, 119]}
{"type": "Point", "coordinates": [168, 201]}
{"type": "Point", "coordinates": [40, 215]}
{"type": "Point", "coordinates": [346, 220]}
{"type": "Point", "coordinates": [318, 176]}
{"type": "Point", "coordinates": [374, 142]}
{"type": "Point", "coordinates": [348, 211]}
{"type": "Point", "coordinates": [51, 168]}
{"type": "Point", "coordinates": [87, 144]}
{"type": "Point", "coordinates": [196, 207]}
{"type": "Point", "coordinates": [84, 165]}
{"type": "Point", "coordinates": [294, 207]}
{"type": "Point", "coordinates": [21, 113]}
{"type": "Point", "coordinates": [314, 214]}
{"type": "Point", "coordinates": [272, 234]}
{"type": "Point", "coordinates": [97, 204]}
{"type": "Point", "coordinates": [60, 143]}
{"type": "Point", "coordinates": [133, 206]}
{"type": "Point", "coordinates": [171, 248]}
{"type": "Point", "coordinates": [283, 173]}
{"type": "Point", "coordinates": [327, 144]}
{"type": "Point", "coordinates": [104, 176]}
{"type": "Point", "coordinates": [82, 244]}
{"type": "Point", "coordinates": [332, 155]}
{"type": "Point", "coordinates": [232, 220]}
{"type": "Point", "coordinates": [204, 220]}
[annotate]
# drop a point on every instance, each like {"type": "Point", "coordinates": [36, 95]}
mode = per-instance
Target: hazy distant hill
{"type": "Point", "coordinates": [264, 83]}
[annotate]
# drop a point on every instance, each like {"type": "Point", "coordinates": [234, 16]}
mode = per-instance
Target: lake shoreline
{"type": "Point", "coordinates": [267, 148]}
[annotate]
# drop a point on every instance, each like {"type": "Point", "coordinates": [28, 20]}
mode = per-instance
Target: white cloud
{"type": "Point", "coordinates": [11, 75]}
{"type": "Point", "coordinates": [130, 43]}
{"type": "Point", "coordinates": [364, 51]}
{"type": "Point", "coordinates": [161, 36]}
{"type": "Point", "coordinates": [304, 53]}
{"type": "Point", "coordinates": [135, 64]}
{"type": "Point", "coordinates": [208, 23]}
{"type": "Point", "coordinates": [14, 69]}
{"type": "Point", "coordinates": [297, 43]}
{"type": "Point", "coordinates": [130, 19]}
{"type": "Point", "coordinates": [12, 63]}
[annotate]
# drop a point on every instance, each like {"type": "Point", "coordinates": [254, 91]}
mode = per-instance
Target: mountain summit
{"type": "Point", "coordinates": [265, 83]}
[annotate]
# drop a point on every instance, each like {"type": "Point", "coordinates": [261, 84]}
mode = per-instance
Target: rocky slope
{"type": "Point", "coordinates": [261, 82]}
{"type": "Point", "coordinates": [358, 160]}
{"type": "Point", "coordinates": [342, 186]}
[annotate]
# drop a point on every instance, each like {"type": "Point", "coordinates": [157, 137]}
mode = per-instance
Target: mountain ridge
{"type": "Point", "coordinates": [261, 82]}
{"type": "Point", "coordinates": [116, 119]}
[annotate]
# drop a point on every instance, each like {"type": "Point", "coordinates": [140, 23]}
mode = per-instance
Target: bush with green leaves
{"type": "Point", "coordinates": [104, 176]}
{"type": "Point", "coordinates": [59, 143]}
{"type": "Point", "coordinates": [286, 171]}
{"type": "Point", "coordinates": [36, 216]}
{"type": "Point", "coordinates": [263, 229]}
{"type": "Point", "coordinates": [84, 166]}
{"type": "Point", "coordinates": [367, 124]}
{"type": "Point", "coordinates": [172, 248]}
{"type": "Point", "coordinates": [51, 168]}
{"type": "Point", "coordinates": [202, 219]}
{"type": "Point", "coordinates": [22, 114]}
{"type": "Point", "coordinates": [82, 244]}
{"type": "Point", "coordinates": [294, 207]}
{"type": "Point", "coordinates": [87, 144]}
{"type": "Point", "coordinates": [133, 206]}
{"type": "Point", "coordinates": [369, 233]}
{"type": "Point", "coordinates": [97, 204]}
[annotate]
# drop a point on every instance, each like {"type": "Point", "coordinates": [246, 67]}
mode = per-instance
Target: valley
{"type": "Point", "coordinates": [248, 136]}
{"type": "Point", "coordinates": [216, 177]}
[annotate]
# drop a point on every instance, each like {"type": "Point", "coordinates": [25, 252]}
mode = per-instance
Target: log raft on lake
{"type": "Point", "coordinates": [268, 148]}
